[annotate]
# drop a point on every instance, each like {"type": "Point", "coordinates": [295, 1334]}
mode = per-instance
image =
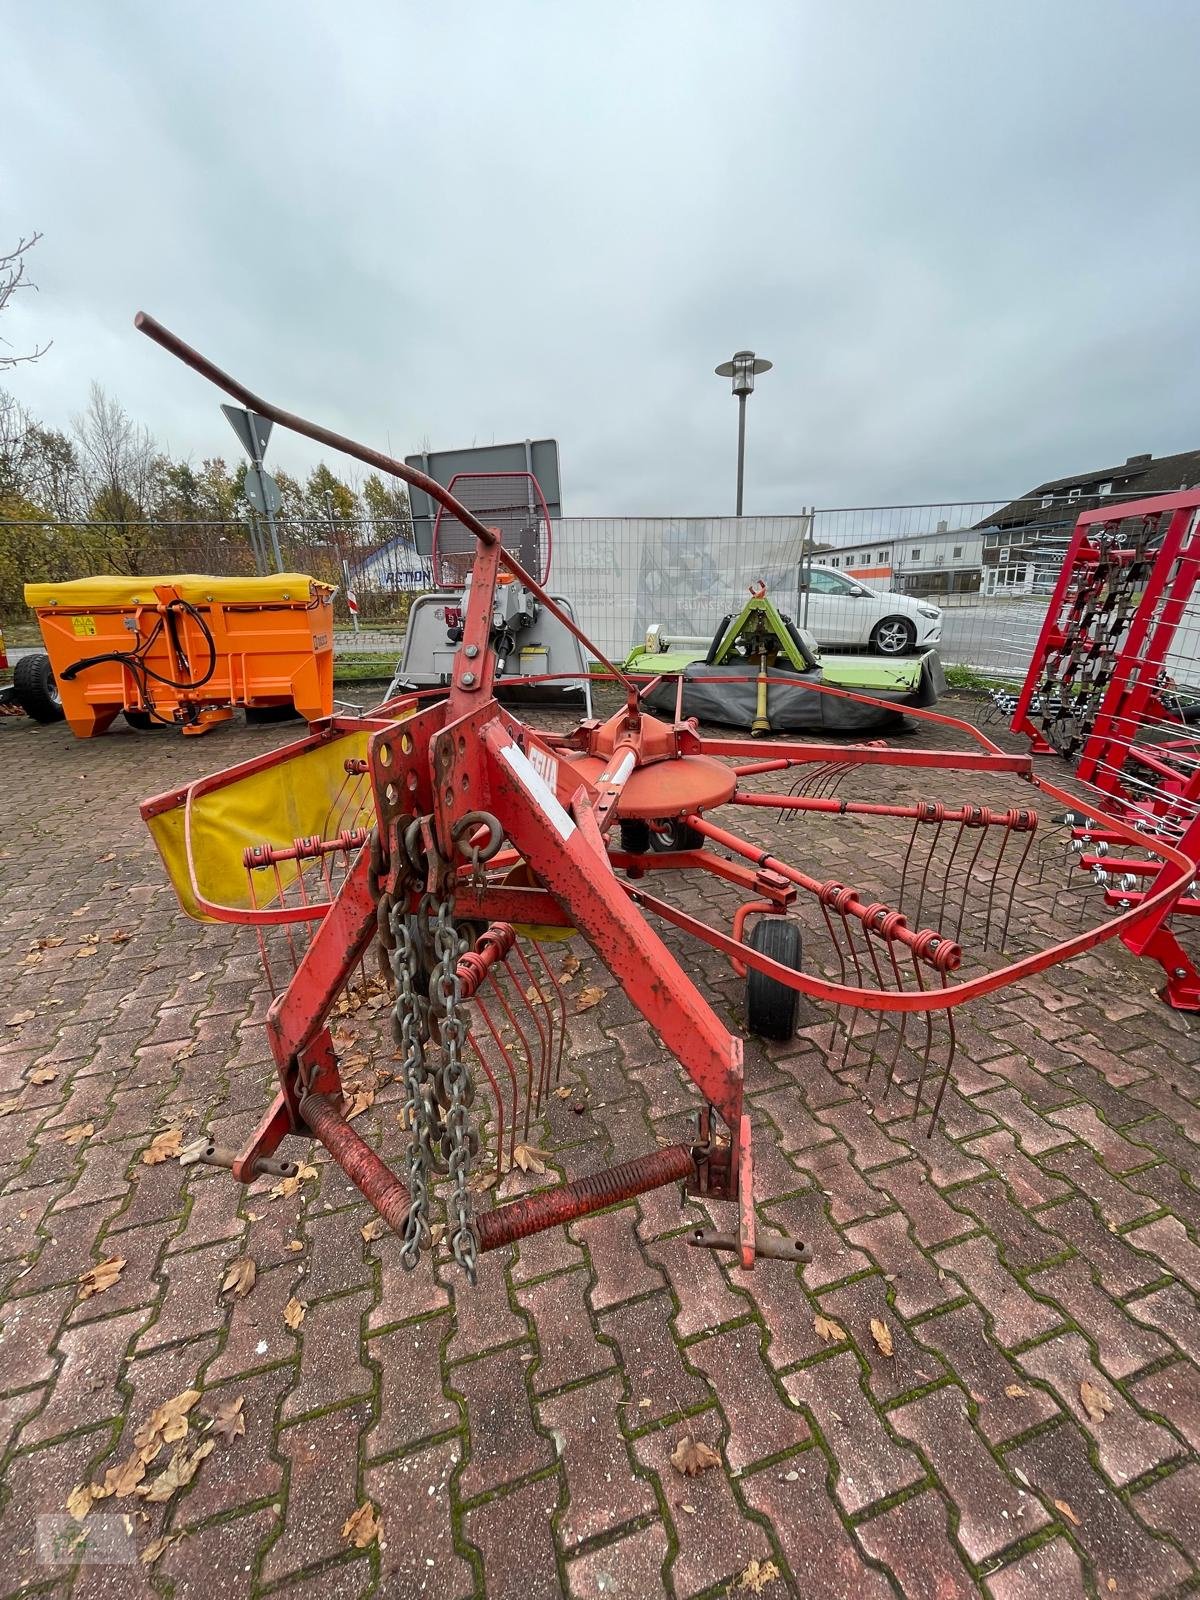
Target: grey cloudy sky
{"type": "Point", "coordinates": [967, 234]}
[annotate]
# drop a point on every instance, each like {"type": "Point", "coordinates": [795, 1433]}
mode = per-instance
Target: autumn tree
{"type": "Point", "coordinates": [12, 280]}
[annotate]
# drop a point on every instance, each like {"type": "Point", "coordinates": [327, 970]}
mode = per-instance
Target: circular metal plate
{"type": "Point", "coordinates": [667, 788]}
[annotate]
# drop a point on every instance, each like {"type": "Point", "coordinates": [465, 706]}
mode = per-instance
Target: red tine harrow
{"type": "Point", "coordinates": [458, 838]}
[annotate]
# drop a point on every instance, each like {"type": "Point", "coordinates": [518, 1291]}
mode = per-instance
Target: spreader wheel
{"type": "Point", "coordinates": [675, 835]}
{"type": "Point", "coordinates": [771, 1006]}
{"type": "Point", "coordinates": [635, 836]}
{"type": "Point", "coordinates": [35, 690]}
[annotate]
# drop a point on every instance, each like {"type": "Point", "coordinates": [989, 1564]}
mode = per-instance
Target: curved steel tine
{"type": "Point", "coordinates": [937, 833]}
{"type": "Point", "coordinates": [871, 1059]}
{"type": "Point", "coordinates": [951, 1047]}
{"type": "Point", "coordinates": [912, 839]}
{"type": "Point", "coordinates": [508, 1062]}
{"type": "Point", "coordinates": [891, 944]}
{"type": "Point", "coordinates": [543, 1032]}
{"type": "Point", "coordinates": [858, 969]}
{"type": "Point", "coordinates": [962, 905]}
{"type": "Point", "coordinates": [1012, 893]}
{"type": "Point", "coordinates": [987, 923]}
{"type": "Point", "coordinates": [941, 912]}
{"type": "Point", "coordinates": [482, 1059]}
{"type": "Point", "coordinates": [498, 990]}
{"type": "Point", "coordinates": [548, 968]}
{"type": "Point", "coordinates": [837, 950]}
{"type": "Point", "coordinates": [928, 1040]}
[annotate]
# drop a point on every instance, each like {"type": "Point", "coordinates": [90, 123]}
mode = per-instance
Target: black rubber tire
{"type": "Point", "coordinates": [910, 636]}
{"type": "Point", "coordinates": [635, 835]}
{"type": "Point", "coordinates": [771, 1007]}
{"type": "Point", "coordinates": [143, 721]}
{"type": "Point", "coordinates": [256, 715]}
{"type": "Point", "coordinates": [674, 836]}
{"type": "Point", "coordinates": [35, 690]}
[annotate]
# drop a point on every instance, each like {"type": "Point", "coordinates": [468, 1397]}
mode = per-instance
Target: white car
{"type": "Point", "coordinates": [844, 611]}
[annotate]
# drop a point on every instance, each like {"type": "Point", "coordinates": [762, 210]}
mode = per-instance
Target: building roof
{"type": "Point", "coordinates": [1138, 475]}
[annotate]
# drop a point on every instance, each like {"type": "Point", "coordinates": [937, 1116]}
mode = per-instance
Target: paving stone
{"type": "Point", "coordinates": [28, 1329]}
{"type": "Point", "coordinates": [513, 1534]}
{"type": "Point", "coordinates": [504, 1442]}
{"type": "Point", "coordinates": [251, 1466]}
{"type": "Point", "coordinates": [331, 1366]}
{"type": "Point", "coordinates": [716, 1539]}
{"type": "Point", "coordinates": [1114, 1543]}
{"type": "Point", "coordinates": [869, 1141]}
{"type": "Point", "coordinates": [854, 1306]}
{"type": "Point", "coordinates": [1023, 1243]}
{"type": "Point", "coordinates": [37, 1484]}
{"type": "Point", "coordinates": [823, 1556]}
{"type": "Point", "coordinates": [913, 1275]}
{"type": "Point", "coordinates": [417, 1553]}
{"type": "Point", "coordinates": [705, 1298]}
{"type": "Point", "coordinates": [85, 1389]}
{"type": "Point", "coordinates": [1125, 1346]}
{"type": "Point", "coordinates": [651, 1361]}
{"type": "Point", "coordinates": [871, 1464]}
{"type": "Point", "coordinates": [228, 1547]}
{"type": "Point", "coordinates": [258, 1336]}
{"type": "Point", "coordinates": [483, 1316]}
{"type": "Point", "coordinates": [850, 1195]}
{"type": "Point", "coordinates": [1034, 1134]}
{"type": "Point", "coordinates": [1172, 1507]}
{"type": "Point", "coordinates": [1016, 1316]}
{"type": "Point", "coordinates": [760, 1423]}
{"type": "Point", "coordinates": [551, 1251]}
{"type": "Point", "coordinates": [1028, 1183]}
{"type": "Point", "coordinates": [603, 1491]}
{"type": "Point", "coordinates": [413, 1404]}
{"type": "Point", "coordinates": [912, 1540]}
{"type": "Point", "coordinates": [612, 1248]}
{"type": "Point", "coordinates": [1120, 1268]}
{"type": "Point", "coordinates": [993, 1511]}
{"type": "Point", "coordinates": [1115, 1151]}
{"type": "Point", "coordinates": [1117, 1200]}
{"type": "Point", "coordinates": [567, 1344]}
{"type": "Point", "coordinates": [322, 1457]}
{"type": "Point", "coordinates": [1048, 1572]}
{"type": "Point", "coordinates": [631, 1565]}
{"type": "Point", "coordinates": [933, 1222]}
{"type": "Point", "coordinates": [805, 1218]}
{"type": "Point", "coordinates": [1174, 1394]}
{"type": "Point", "coordinates": [191, 1304]}
{"type": "Point", "coordinates": [1167, 1239]}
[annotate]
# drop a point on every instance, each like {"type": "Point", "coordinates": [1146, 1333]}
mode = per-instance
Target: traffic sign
{"type": "Point", "coordinates": [251, 429]}
{"type": "Point", "coordinates": [262, 491]}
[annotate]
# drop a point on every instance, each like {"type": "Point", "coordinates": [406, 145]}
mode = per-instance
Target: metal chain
{"type": "Point", "coordinates": [455, 1088]}
{"type": "Point", "coordinates": [410, 1030]}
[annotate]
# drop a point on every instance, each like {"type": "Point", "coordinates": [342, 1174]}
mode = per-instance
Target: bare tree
{"type": "Point", "coordinates": [12, 278]}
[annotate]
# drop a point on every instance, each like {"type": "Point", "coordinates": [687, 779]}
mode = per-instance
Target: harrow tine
{"type": "Point", "coordinates": [497, 987]}
{"type": "Point", "coordinates": [1012, 893]}
{"type": "Point", "coordinates": [912, 839]}
{"type": "Point", "coordinates": [900, 1031]}
{"type": "Point", "coordinates": [968, 880]}
{"type": "Point", "coordinates": [941, 911]}
{"type": "Point", "coordinates": [505, 1056]}
{"type": "Point", "coordinates": [859, 971]}
{"type": "Point", "coordinates": [987, 922]}
{"type": "Point", "coordinates": [559, 1021]}
{"type": "Point", "coordinates": [928, 1042]}
{"type": "Point", "coordinates": [951, 1048]}
{"type": "Point", "coordinates": [535, 1006]}
{"type": "Point", "coordinates": [837, 949]}
{"type": "Point", "coordinates": [937, 833]}
{"type": "Point", "coordinates": [496, 1096]}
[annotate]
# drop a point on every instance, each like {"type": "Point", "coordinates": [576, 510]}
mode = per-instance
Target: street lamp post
{"type": "Point", "coordinates": [743, 369]}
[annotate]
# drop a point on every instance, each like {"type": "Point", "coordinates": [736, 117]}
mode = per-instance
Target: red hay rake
{"type": "Point", "coordinates": [459, 839]}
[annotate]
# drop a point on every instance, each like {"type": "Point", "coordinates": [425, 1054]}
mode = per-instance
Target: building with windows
{"type": "Point", "coordinates": [1024, 542]}
{"type": "Point", "coordinates": [946, 561]}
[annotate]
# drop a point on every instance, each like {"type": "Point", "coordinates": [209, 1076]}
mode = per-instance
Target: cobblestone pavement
{"type": "Point", "coordinates": [515, 1439]}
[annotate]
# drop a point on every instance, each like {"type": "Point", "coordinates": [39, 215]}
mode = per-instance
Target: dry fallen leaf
{"type": "Point", "coordinates": [589, 998]}
{"type": "Point", "coordinates": [563, 1092]}
{"type": "Point", "coordinates": [286, 1187]}
{"type": "Point", "coordinates": [18, 1017]}
{"type": "Point", "coordinates": [1061, 1505]}
{"type": "Point", "coordinates": [362, 1527]}
{"type": "Point", "coordinates": [84, 951]}
{"type": "Point", "coordinates": [124, 1478]}
{"type": "Point", "coordinates": [293, 1312]}
{"type": "Point", "coordinates": [304, 1172]}
{"type": "Point", "coordinates": [1111, 1585]}
{"type": "Point", "coordinates": [882, 1336]}
{"type": "Point", "coordinates": [239, 1277]}
{"type": "Point", "coordinates": [482, 1179]}
{"type": "Point", "coordinates": [1014, 1391]}
{"type": "Point", "coordinates": [534, 995]}
{"type": "Point", "coordinates": [51, 941]}
{"type": "Point", "coordinates": [570, 965]}
{"type": "Point", "coordinates": [156, 1547]}
{"type": "Point", "coordinates": [43, 1075]}
{"type": "Point", "coordinates": [375, 1229]}
{"type": "Point", "coordinates": [828, 1329]}
{"type": "Point", "coordinates": [195, 977]}
{"type": "Point", "coordinates": [293, 1245]}
{"type": "Point", "coordinates": [79, 1501]}
{"type": "Point", "coordinates": [7, 1107]}
{"type": "Point", "coordinates": [692, 1457]}
{"type": "Point", "coordinates": [77, 1134]}
{"type": "Point", "coordinates": [358, 1103]}
{"type": "Point", "coordinates": [166, 1424]}
{"type": "Point", "coordinates": [1097, 1402]}
{"type": "Point", "coordinates": [119, 936]}
{"type": "Point", "coordinates": [229, 1423]}
{"type": "Point", "coordinates": [177, 1473]}
{"type": "Point", "coordinates": [757, 1575]}
{"type": "Point", "coordinates": [111, 856]}
{"type": "Point", "coordinates": [100, 1277]}
{"type": "Point", "coordinates": [163, 1146]}
{"type": "Point", "coordinates": [529, 1158]}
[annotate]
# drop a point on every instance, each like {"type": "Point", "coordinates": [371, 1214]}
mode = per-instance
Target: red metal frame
{"type": "Point", "coordinates": [454, 768]}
